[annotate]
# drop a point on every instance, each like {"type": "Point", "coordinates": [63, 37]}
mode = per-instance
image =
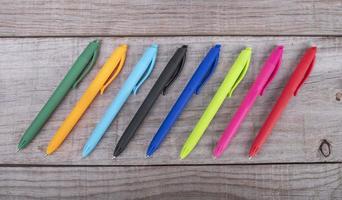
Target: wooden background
{"type": "Point", "coordinates": [39, 40]}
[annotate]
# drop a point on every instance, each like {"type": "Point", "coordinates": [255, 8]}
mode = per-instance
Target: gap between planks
{"type": "Point", "coordinates": [171, 165]}
{"type": "Point", "coordinates": [160, 36]}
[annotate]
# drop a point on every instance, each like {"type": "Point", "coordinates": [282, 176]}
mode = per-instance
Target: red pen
{"type": "Point", "coordinates": [297, 79]}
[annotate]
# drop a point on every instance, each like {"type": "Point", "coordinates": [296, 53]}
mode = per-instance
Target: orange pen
{"type": "Point", "coordinates": [297, 79]}
{"type": "Point", "coordinates": [105, 76]}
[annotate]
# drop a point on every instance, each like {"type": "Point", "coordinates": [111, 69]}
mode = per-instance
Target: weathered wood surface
{"type": "Point", "coordinates": [40, 40]}
{"type": "Point", "coordinates": [165, 17]}
{"type": "Point", "coordinates": [318, 181]}
{"type": "Point", "coordinates": [31, 68]}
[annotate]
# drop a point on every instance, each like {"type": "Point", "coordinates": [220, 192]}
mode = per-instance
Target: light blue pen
{"type": "Point", "coordinates": [139, 74]}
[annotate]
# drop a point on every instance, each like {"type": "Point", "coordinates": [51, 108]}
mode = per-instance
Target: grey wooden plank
{"type": "Point", "coordinates": [151, 17]}
{"type": "Point", "coordinates": [320, 181]}
{"type": "Point", "coordinates": [31, 68]}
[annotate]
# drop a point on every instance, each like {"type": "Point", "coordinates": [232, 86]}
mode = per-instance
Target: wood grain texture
{"type": "Point", "coordinates": [319, 181]}
{"type": "Point", "coordinates": [31, 68]}
{"type": "Point", "coordinates": [165, 17]}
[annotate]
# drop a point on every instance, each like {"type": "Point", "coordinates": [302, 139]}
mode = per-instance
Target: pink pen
{"type": "Point", "coordinates": [266, 75]}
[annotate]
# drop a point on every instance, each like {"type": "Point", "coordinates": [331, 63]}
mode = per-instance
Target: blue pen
{"type": "Point", "coordinates": [201, 75]}
{"type": "Point", "coordinates": [139, 74]}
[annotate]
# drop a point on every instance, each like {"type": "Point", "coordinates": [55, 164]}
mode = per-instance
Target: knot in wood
{"type": "Point", "coordinates": [338, 96]}
{"type": "Point", "coordinates": [325, 148]}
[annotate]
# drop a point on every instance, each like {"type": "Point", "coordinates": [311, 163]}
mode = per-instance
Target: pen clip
{"type": "Point", "coordinates": [306, 75]}
{"type": "Point", "coordinates": [241, 75]}
{"type": "Point", "coordinates": [208, 74]}
{"type": "Point", "coordinates": [146, 74]}
{"type": "Point", "coordinates": [87, 69]}
{"type": "Point", "coordinates": [174, 75]}
{"type": "Point", "coordinates": [272, 75]}
{"type": "Point", "coordinates": [119, 63]}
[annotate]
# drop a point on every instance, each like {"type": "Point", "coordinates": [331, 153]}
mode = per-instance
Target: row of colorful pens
{"type": "Point", "coordinates": [141, 72]}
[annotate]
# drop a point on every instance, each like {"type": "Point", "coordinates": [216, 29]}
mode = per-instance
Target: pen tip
{"type": "Point", "coordinates": [250, 157]}
{"type": "Point", "coordinates": [147, 156]}
{"type": "Point", "coordinates": [18, 150]}
{"type": "Point", "coordinates": [114, 157]}
{"type": "Point", "coordinates": [46, 155]}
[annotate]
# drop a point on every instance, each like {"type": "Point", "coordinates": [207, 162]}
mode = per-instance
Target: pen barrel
{"type": "Point", "coordinates": [74, 116]}
{"type": "Point", "coordinates": [207, 117]}
{"type": "Point", "coordinates": [45, 113]}
{"type": "Point", "coordinates": [172, 116]}
{"type": "Point", "coordinates": [233, 126]}
{"type": "Point", "coordinates": [141, 114]}
{"type": "Point", "coordinates": [109, 116]}
{"type": "Point", "coordinates": [58, 95]}
{"type": "Point", "coordinates": [272, 119]}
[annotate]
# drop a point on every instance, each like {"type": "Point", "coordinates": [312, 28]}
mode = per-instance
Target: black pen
{"type": "Point", "coordinates": [166, 78]}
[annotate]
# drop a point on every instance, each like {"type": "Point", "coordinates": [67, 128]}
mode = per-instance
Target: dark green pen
{"type": "Point", "coordinates": [78, 71]}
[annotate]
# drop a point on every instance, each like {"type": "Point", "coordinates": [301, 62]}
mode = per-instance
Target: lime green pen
{"type": "Point", "coordinates": [226, 89]}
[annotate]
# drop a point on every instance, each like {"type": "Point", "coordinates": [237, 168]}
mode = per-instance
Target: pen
{"type": "Point", "coordinates": [166, 78]}
{"type": "Point", "coordinates": [78, 71]}
{"type": "Point", "coordinates": [297, 79]}
{"type": "Point", "coordinates": [264, 78]}
{"type": "Point", "coordinates": [139, 74]}
{"type": "Point", "coordinates": [236, 73]}
{"type": "Point", "coordinates": [201, 75]}
{"type": "Point", "coordinates": [104, 77]}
